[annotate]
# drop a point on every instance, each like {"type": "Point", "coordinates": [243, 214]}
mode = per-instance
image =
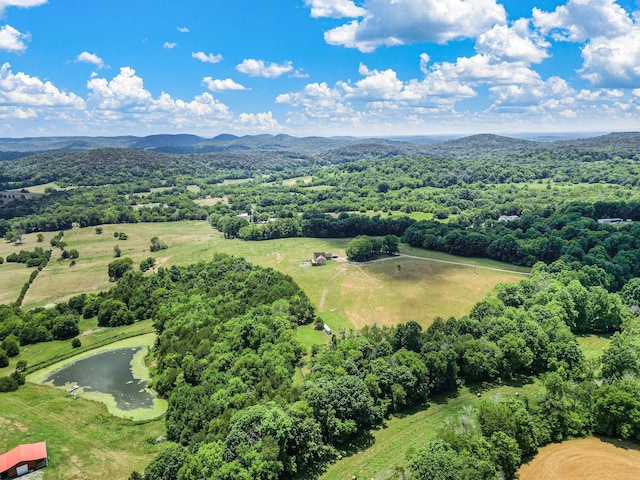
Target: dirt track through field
{"type": "Point", "coordinates": [462, 264]}
{"type": "Point", "coordinates": [584, 459]}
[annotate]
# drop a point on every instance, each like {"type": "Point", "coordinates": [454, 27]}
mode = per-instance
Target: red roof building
{"type": "Point", "coordinates": [23, 459]}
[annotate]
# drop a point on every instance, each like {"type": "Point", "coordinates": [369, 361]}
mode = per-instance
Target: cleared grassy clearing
{"type": "Point", "coordinates": [297, 181]}
{"type": "Point", "coordinates": [593, 346]}
{"type": "Point", "coordinates": [376, 456]}
{"type": "Point", "coordinates": [42, 187]}
{"type": "Point", "coordinates": [236, 181]}
{"type": "Point", "coordinates": [83, 440]}
{"type": "Point", "coordinates": [347, 295]}
{"type": "Point", "coordinates": [207, 202]}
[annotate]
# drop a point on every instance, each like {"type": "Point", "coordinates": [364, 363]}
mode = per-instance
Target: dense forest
{"type": "Point", "coordinates": [226, 351]}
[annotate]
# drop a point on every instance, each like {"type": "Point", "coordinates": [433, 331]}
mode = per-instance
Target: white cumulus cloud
{"type": "Point", "coordinates": [613, 62]}
{"type": "Point", "coordinates": [86, 57]}
{"type": "Point", "coordinates": [20, 3]}
{"type": "Point", "coordinates": [401, 22]}
{"type": "Point", "coordinates": [169, 45]}
{"type": "Point", "coordinates": [259, 68]}
{"type": "Point", "coordinates": [20, 89]}
{"type": "Point", "coordinates": [125, 100]}
{"type": "Point", "coordinates": [334, 8]}
{"type": "Point", "coordinates": [125, 90]}
{"type": "Point", "coordinates": [207, 57]}
{"type": "Point", "coordinates": [217, 85]}
{"type": "Point", "coordinates": [516, 43]}
{"type": "Point", "coordinates": [578, 20]}
{"type": "Point", "coordinates": [183, 29]}
{"type": "Point", "coordinates": [12, 40]}
{"type": "Point", "coordinates": [259, 121]}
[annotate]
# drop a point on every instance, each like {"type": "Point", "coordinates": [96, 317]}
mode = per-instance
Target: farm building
{"type": "Point", "coordinates": [23, 459]}
{"type": "Point", "coordinates": [320, 258]}
{"type": "Point", "coordinates": [326, 329]}
{"type": "Point", "coordinates": [611, 221]}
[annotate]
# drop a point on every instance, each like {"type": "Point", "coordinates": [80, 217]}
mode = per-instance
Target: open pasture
{"type": "Point", "coordinates": [14, 275]}
{"type": "Point", "coordinates": [347, 295]}
{"type": "Point", "coordinates": [83, 440]}
{"type": "Point", "coordinates": [584, 459]}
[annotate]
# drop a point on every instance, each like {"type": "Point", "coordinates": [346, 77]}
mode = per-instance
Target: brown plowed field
{"type": "Point", "coordinates": [584, 459]}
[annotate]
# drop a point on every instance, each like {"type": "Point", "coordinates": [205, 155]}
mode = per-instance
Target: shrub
{"type": "Point", "coordinates": [4, 359]}
{"type": "Point", "coordinates": [76, 343]}
{"type": "Point", "coordinates": [147, 264]}
{"type": "Point", "coordinates": [117, 268]}
{"type": "Point", "coordinates": [11, 346]}
{"type": "Point", "coordinates": [157, 244]}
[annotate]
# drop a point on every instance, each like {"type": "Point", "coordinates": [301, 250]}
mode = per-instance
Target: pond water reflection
{"type": "Point", "coordinates": [109, 372]}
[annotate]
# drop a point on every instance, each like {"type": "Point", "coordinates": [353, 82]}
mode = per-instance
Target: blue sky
{"type": "Point", "coordinates": [318, 67]}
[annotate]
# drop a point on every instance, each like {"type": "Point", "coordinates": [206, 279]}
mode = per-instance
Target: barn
{"type": "Point", "coordinates": [23, 459]}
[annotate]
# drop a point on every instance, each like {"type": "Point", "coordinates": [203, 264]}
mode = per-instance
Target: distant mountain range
{"type": "Point", "coordinates": [11, 148]}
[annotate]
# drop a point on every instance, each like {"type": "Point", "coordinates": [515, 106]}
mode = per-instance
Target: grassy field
{"type": "Point", "coordinates": [347, 295]}
{"type": "Point", "coordinates": [83, 440]}
{"type": "Point", "coordinates": [378, 455]}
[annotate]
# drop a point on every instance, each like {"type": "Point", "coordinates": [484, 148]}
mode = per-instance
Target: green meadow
{"type": "Point", "coordinates": [419, 286]}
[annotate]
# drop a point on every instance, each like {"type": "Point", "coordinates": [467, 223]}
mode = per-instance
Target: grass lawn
{"type": "Point", "coordinates": [83, 440]}
{"type": "Point", "coordinates": [377, 455]}
{"type": "Point", "coordinates": [347, 295]}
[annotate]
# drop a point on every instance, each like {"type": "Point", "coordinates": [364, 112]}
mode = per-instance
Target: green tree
{"type": "Point", "coordinates": [167, 464]}
{"type": "Point", "coordinates": [11, 346]}
{"type": "Point", "coordinates": [64, 327]}
{"type": "Point", "coordinates": [113, 313]}
{"type": "Point", "coordinates": [360, 249]}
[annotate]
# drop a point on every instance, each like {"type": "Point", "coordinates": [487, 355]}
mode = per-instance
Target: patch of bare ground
{"type": "Point", "coordinates": [584, 459]}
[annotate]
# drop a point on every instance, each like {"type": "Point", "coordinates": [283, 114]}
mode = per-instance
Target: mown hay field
{"type": "Point", "coordinates": [347, 295]}
{"type": "Point", "coordinates": [584, 459]}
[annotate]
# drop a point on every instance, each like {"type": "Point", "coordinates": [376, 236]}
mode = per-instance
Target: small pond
{"type": "Point", "coordinates": [115, 375]}
{"type": "Point", "coordinates": [107, 372]}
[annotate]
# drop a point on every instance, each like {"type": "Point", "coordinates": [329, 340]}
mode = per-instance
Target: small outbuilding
{"type": "Point", "coordinates": [610, 221]}
{"type": "Point", "coordinates": [319, 261]}
{"type": "Point", "coordinates": [326, 329]}
{"type": "Point", "coordinates": [320, 258]}
{"type": "Point", "coordinates": [23, 459]}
